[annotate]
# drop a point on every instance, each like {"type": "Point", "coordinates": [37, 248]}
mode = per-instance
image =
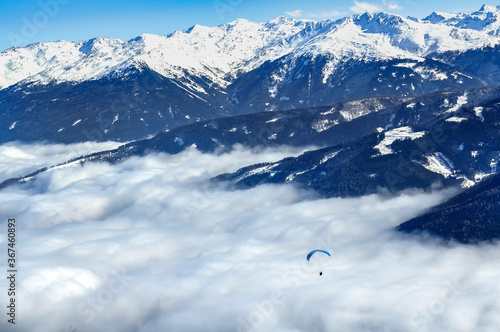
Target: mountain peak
{"type": "Point", "coordinates": [196, 28]}
{"type": "Point", "coordinates": [379, 17]}
{"type": "Point", "coordinates": [282, 20]}
{"type": "Point", "coordinates": [489, 9]}
{"type": "Point", "coordinates": [438, 17]}
{"type": "Point", "coordinates": [235, 23]}
{"type": "Point", "coordinates": [487, 19]}
{"type": "Point", "coordinates": [365, 16]}
{"type": "Point", "coordinates": [94, 44]}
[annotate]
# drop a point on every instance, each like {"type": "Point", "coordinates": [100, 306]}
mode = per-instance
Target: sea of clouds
{"type": "Point", "coordinates": [152, 244]}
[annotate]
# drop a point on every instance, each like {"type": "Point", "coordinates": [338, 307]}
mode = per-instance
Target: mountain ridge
{"type": "Point", "coordinates": [70, 61]}
{"type": "Point", "coordinates": [107, 89]}
{"type": "Point", "coordinates": [452, 135]}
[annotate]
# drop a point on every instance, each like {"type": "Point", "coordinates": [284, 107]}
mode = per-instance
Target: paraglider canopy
{"type": "Point", "coordinates": [315, 251]}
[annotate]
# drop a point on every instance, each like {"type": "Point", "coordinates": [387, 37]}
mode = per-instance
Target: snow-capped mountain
{"type": "Point", "coordinates": [222, 53]}
{"type": "Point", "coordinates": [486, 19]}
{"type": "Point", "coordinates": [202, 51]}
{"type": "Point", "coordinates": [106, 88]}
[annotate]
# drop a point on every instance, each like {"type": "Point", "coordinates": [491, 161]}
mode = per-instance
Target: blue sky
{"type": "Point", "coordinates": [27, 21]}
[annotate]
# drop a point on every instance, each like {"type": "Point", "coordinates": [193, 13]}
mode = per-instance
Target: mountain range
{"type": "Point", "coordinates": [387, 104]}
{"type": "Point", "coordinates": [108, 89]}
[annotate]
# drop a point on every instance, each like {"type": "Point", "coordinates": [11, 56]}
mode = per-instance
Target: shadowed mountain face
{"type": "Point", "coordinates": [143, 103]}
{"type": "Point", "coordinates": [113, 108]}
{"type": "Point", "coordinates": [367, 145]}
{"type": "Point", "coordinates": [301, 82]}
{"type": "Point", "coordinates": [411, 155]}
{"type": "Point", "coordinates": [483, 63]}
{"type": "Point", "coordinates": [470, 217]}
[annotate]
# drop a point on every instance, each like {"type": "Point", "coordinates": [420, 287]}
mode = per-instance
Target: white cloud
{"type": "Point", "coordinates": [390, 5]}
{"type": "Point", "coordinates": [20, 159]}
{"type": "Point", "coordinates": [152, 245]}
{"type": "Point", "coordinates": [295, 13]}
{"type": "Point", "coordinates": [362, 7]}
{"type": "Point", "coordinates": [393, 6]}
{"type": "Point", "coordinates": [326, 14]}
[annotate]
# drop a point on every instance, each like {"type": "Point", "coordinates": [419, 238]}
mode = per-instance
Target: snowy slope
{"type": "Point", "coordinates": [383, 36]}
{"type": "Point", "coordinates": [220, 54]}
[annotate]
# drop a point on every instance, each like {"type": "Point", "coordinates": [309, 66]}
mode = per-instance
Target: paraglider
{"type": "Point", "coordinates": [315, 251]}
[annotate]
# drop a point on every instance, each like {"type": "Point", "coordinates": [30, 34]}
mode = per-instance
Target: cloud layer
{"type": "Point", "coordinates": [361, 7]}
{"type": "Point", "coordinates": [152, 245]}
{"type": "Point", "coordinates": [17, 159]}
